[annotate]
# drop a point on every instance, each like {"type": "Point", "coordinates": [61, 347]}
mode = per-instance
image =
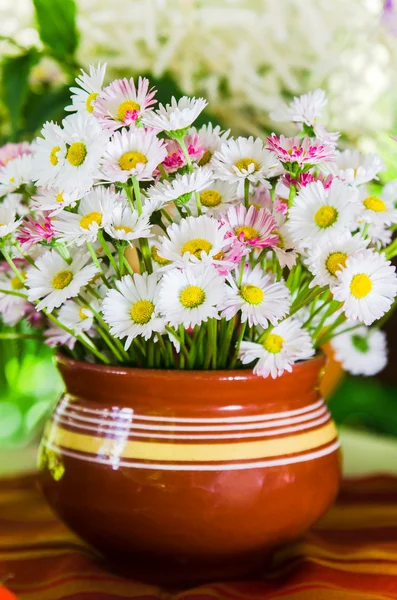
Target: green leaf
{"type": "Point", "coordinates": [15, 77]}
{"type": "Point", "coordinates": [56, 20]}
{"type": "Point", "coordinates": [45, 107]}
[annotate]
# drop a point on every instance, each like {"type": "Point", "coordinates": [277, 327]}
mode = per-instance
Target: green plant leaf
{"type": "Point", "coordinates": [56, 21]}
{"type": "Point", "coordinates": [15, 77]}
{"type": "Point", "coordinates": [45, 107]}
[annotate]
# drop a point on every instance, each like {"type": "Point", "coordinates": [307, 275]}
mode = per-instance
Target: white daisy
{"type": "Point", "coordinates": [318, 214]}
{"type": "Point", "coordinates": [303, 109]}
{"type": "Point", "coordinates": [132, 309]}
{"type": "Point", "coordinates": [245, 158]}
{"type": "Point", "coordinates": [180, 189]}
{"type": "Point", "coordinates": [367, 285]}
{"type": "Point", "coordinates": [251, 227]}
{"type": "Point", "coordinates": [49, 153]}
{"type": "Point", "coordinates": [75, 317]}
{"type": "Point", "coordinates": [379, 235]}
{"type": "Point", "coordinates": [211, 139]}
{"type": "Point", "coordinates": [128, 225]}
{"type": "Point", "coordinates": [158, 261]}
{"type": "Point", "coordinates": [362, 351]}
{"type": "Point", "coordinates": [122, 103]}
{"type": "Point", "coordinates": [376, 210]}
{"type": "Point", "coordinates": [194, 239]}
{"type": "Point", "coordinates": [90, 86]}
{"type": "Point", "coordinates": [260, 299]}
{"type": "Point", "coordinates": [355, 168]}
{"type": "Point", "coordinates": [389, 192]}
{"type": "Point", "coordinates": [55, 280]}
{"type": "Point", "coordinates": [327, 259]}
{"type": "Point", "coordinates": [216, 198]}
{"type": "Point", "coordinates": [132, 153]}
{"type": "Point", "coordinates": [93, 214]}
{"type": "Point", "coordinates": [85, 143]}
{"type": "Point", "coordinates": [8, 221]}
{"type": "Point", "coordinates": [53, 201]}
{"type": "Point", "coordinates": [15, 173]}
{"type": "Point", "coordinates": [285, 249]}
{"type": "Point", "coordinates": [12, 308]}
{"type": "Point", "coordinates": [192, 296]}
{"type": "Point", "coordinates": [175, 117]}
{"type": "Point", "coordinates": [282, 347]}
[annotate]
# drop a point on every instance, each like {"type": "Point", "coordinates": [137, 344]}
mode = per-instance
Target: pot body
{"type": "Point", "coordinates": [180, 477]}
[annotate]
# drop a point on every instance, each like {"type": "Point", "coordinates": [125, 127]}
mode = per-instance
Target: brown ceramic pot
{"type": "Point", "coordinates": [180, 477]}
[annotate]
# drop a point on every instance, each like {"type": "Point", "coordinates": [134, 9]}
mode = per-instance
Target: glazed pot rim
{"type": "Point", "coordinates": [159, 374]}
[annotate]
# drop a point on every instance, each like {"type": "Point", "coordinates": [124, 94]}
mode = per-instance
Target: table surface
{"type": "Point", "coordinates": [351, 554]}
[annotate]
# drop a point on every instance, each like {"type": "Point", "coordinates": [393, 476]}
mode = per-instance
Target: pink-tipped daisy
{"type": "Point", "coordinates": [175, 158]}
{"type": "Point", "coordinates": [253, 227]}
{"type": "Point", "coordinates": [301, 151]}
{"type": "Point", "coordinates": [122, 102]}
{"type": "Point", "coordinates": [33, 231]}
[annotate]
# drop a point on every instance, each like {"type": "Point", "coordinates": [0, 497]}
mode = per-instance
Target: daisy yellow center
{"type": "Point", "coordinates": [360, 343]}
{"type": "Point", "coordinates": [335, 262]}
{"type": "Point", "coordinates": [325, 216]}
{"type": "Point", "coordinates": [77, 153]}
{"type": "Point", "coordinates": [62, 279]}
{"type": "Point", "coordinates": [89, 102]}
{"type": "Point", "coordinates": [245, 163]}
{"type": "Point", "coordinates": [53, 155]}
{"type": "Point", "coordinates": [92, 217]}
{"type": "Point", "coordinates": [360, 285]}
{"type": "Point", "coordinates": [11, 180]}
{"type": "Point", "coordinates": [249, 233]}
{"type": "Point", "coordinates": [141, 312]}
{"type": "Point", "coordinates": [82, 314]}
{"type": "Point", "coordinates": [16, 283]}
{"type": "Point", "coordinates": [251, 294]}
{"type": "Point", "coordinates": [192, 296]}
{"type": "Point", "coordinates": [59, 197]}
{"type": "Point", "coordinates": [210, 198]}
{"type": "Point", "coordinates": [129, 160]}
{"type": "Point", "coordinates": [124, 228]}
{"type": "Point", "coordinates": [127, 106]}
{"type": "Point", "coordinates": [273, 343]}
{"type": "Point", "coordinates": [157, 258]}
{"type": "Point", "coordinates": [281, 241]}
{"type": "Point", "coordinates": [196, 247]}
{"type": "Point", "coordinates": [375, 204]}
{"type": "Point", "coordinates": [205, 159]}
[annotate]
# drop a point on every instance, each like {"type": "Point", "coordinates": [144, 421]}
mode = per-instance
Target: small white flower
{"type": "Point", "coordinates": [245, 158]}
{"type": "Point", "coordinates": [318, 213]}
{"type": "Point", "coordinates": [94, 213]}
{"type": "Point", "coordinates": [375, 210]}
{"type": "Point", "coordinates": [327, 259]}
{"type": "Point", "coordinates": [128, 225]}
{"type": "Point", "coordinates": [367, 285]}
{"type": "Point", "coordinates": [362, 351]}
{"type": "Point", "coordinates": [132, 309]}
{"type": "Point", "coordinates": [379, 235]}
{"type": "Point", "coordinates": [49, 152]}
{"type": "Point", "coordinates": [355, 168]}
{"type": "Point", "coordinates": [216, 198]}
{"type": "Point", "coordinates": [55, 280]}
{"type": "Point", "coordinates": [15, 173]}
{"type": "Point", "coordinates": [180, 188]}
{"type": "Point", "coordinates": [303, 109]}
{"type": "Point", "coordinates": [211, 139]}
{"type": "Point", "coordinates": [194, 239]}
{"type": "Point", "coordinates": [132, 153]}
{"type": "Point", "coordinates": [53, 201]}
{"type": "Point", "coordinates": [83, 97]}
{"type": "Point", "coordinates": [8, 222]}
{"type": "Point", "coordinates": [175, 116]}
{"type": "Point", "coordinates": [192, 296]}
{"type": "Point", "coordinates": [12, 308]}
{"type": "Point", "coordinates": [75, 317]}
{"type": "Point", "coordinates": [260, 299]}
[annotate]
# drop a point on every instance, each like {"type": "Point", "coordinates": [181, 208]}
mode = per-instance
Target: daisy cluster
{"type": "Point", "coordinates": [130, 236]}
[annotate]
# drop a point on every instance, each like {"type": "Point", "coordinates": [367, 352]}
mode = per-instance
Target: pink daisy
{"type": "Point", "coordinates": [11, 151]}
{"type": "Point", "coordinates": [302, 151]}
{"type": "Point", "coordinates": [32, 232]}
{"type": "Point", "coordinates": [306, 178]}
{"type": "Point", "coordinates": [253, 227]}
{"type": "Point", "coordinates": [121, 103]}
{"type": "Point", "coordinates": [175, 158]}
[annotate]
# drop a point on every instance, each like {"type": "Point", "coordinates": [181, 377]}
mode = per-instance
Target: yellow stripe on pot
{"type": "Point", "coordinates": [169, 452]}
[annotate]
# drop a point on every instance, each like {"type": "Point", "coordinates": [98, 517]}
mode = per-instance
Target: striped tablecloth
{"type": "Point", "coordinates": [351, 554]}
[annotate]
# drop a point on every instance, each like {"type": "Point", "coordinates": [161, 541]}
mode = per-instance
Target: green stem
{"type": "Point", "coordinates": [246, 193]}
{"type": "Point", "coordinates": [12, 293]}
{"type": "Point", "coordinates": [144, 244]}
{"type": "Point", "coordinates": [107, 251]}
{"type": "Point", "coordinates": [13, 266]}
{"type": "Point", "coordinates": [97, 264]}
{"type": "Point", "coordinates": [239, 340]}
{"type": "Point", "coordinates": [292, 194]}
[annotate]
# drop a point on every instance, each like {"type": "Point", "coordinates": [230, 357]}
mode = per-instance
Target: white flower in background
{"type": "Point", "coordinates": [375, 210]}
{"type": "Point", "coordinates": [194, 239]}
{"type": "Point", "coordinates": [56, 336]}
{"type": "Point", "coordinates": [15, 173]}
{"type": "Point", "coordinates": [389, 192]}
{"type": "Point", "coordinates": [53, 201]}
{"type": "Point", "coordinates": [77, 318]}
{"type": "Point", "coordinates": [355, 168]}
{"type": "Point", "coordinates": [8, 221]}
{"type": "Point", "coordinates": [327, 259]}
{"type": "Point", "coordinates": [132, 153]}
{"type": "Point", "coordinates": [285, 249]}
{"type": "Point", "coordinates": [318, 214]}
{"type": "Point", "coordinates": [192, 296]}
{"type": "Point", "coordinates": [175, 116]}
{"type": "Point", "coordinates": [12, 150]}
{"type": "Point", "coordinates": [132, 309]}
{"type": "Point", "coordinates": [379, 235]}
{"type": "Point", "coordinates": [367, 286]}
{"type": "Point", "coordinates": [216, 199]}
{"type": "Point", "coordinates": [211, 139]}
{"type": "Point", "coordinates": [281, 348]}
{"type": "Point", "coordinates": [49, 155]}
{"type": "Point", "coordinates": [90, 86]}
{"type": "Point", "coordinates": [12, 308]}
{"type": "Point", "coordinates": [94, 213]}
{"type": "Point", "coordinates": [127, 225]}
{"type": "Point", "coordinates": [362, 351]}
{"type": "Point", "coordinates": [260, 300]}
{"type": "Point", "coordinates": [54, 280]}
{"type": "Point", "coordinates": [304, 109]}
{"type": "Point", "coordinates": [85, 141]}
{"type": "Point", "coordinates": [180, 189]}
{"type": "Point", "coordinates": [245, 158]}
{"type": "Point", "coordinates": [122, 103]}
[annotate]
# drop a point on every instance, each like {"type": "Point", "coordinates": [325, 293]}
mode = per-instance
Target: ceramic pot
{"type": "Point", "coordinates": [180, 477]}
{"type": "Point", "coordinates": [333, 373]}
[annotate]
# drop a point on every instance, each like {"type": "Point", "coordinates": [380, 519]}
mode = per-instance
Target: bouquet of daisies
{"type": "Point", "coordinates": [131, 237]}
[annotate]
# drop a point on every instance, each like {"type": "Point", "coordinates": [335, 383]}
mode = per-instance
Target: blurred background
{"type": "Point", "coordinates": [244, 56]}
